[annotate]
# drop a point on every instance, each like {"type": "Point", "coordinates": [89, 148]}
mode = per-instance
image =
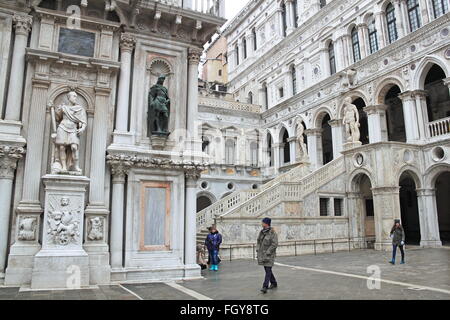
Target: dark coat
{"type": "Point", "coordinates": [266, 247]}
{"type": "Point", "coordinates": [398, 235]}
{"type": "Point", "coordinates": [213, 241]}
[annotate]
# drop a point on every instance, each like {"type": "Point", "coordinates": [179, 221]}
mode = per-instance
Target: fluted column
{"type": "Point", "coordinates": [127, 44]}
{"type": "Point", "coordinates": [119, 172]}
{"type": "Point", "coordinates": [376, 120]}
{"type": "Point", "coordinates": [22, 25]}
{"type": "Point", "coordinates": [192, 108]}
{"type": "Point", "coordinates": [9, 155]}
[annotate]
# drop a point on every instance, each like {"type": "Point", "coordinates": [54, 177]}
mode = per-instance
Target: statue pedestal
{"type": "Point", "coordinates": [62, 261]}
{"type": "Point", "coordinates": [352, 145]}
{"type": "Point", "coordinates": [158, 141]}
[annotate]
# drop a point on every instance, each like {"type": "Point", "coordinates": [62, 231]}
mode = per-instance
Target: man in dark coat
{"type": "Point", "coordinates": [213, 242]}
{"type": "Point", "coordinates": [266, 252]}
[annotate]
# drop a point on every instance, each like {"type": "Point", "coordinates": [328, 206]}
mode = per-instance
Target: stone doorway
{"type": "Point", "coordinates": [409, 209]}
{"type": "Point", "coordinates": [443, 206]}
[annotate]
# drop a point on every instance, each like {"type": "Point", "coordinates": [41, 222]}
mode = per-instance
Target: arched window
{"type": "Point", "coordinates": [323, 3]}
{"type": "Point", "coordinates": [255, 40]}
{"type": "Point", "coordinates": [266, 96]}
{"type": "Point", "coordinates": [373, 37]}
{"type": "Point", "coordinates": [254, 154]}
{"type": "Point", "coordinates": [414, 14]}
{"type": "Point", "coordinates": [250, 97]}
{"type": "Point", "coordinates": [355, 45]}
{"type": "Point", "coordinates": [294, 80]}
{"type": "Point", "coordinates": [332, 58]}
{"type": "Point", "coordinates": [230, 147]}
{"type": "Point", "coordinates": [205, 144]}
{"type": "Point", "coordinates": [236, 48]}
{"type": "Point", "coordinates": [440, 7]}
{"type": "Point", "coordinates": [283, 13]}
{"type": "Point", "coordinates": [244, 47]}
{"type": "Point", "coordinates": [391, 23]}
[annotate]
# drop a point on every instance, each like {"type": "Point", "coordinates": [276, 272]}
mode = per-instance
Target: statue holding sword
{"type": "Point", "coordinates": [69, 121]}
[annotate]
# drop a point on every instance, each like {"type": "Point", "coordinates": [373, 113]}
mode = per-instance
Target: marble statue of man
{"type": "Point", "coordinates": [159, 108]}
{"type": "Point", "coordinates": [71, 122]}
{"type": "Point", "coordinates": [302, 150]}
{"type": "Point", "coordinates": [351, 121]}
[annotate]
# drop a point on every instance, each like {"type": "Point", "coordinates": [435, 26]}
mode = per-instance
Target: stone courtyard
{"type": "Point", "coordinates": [338, 276]}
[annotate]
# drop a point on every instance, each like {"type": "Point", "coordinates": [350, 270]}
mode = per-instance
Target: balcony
{"type": "Point", "coordinates": [211, 7]}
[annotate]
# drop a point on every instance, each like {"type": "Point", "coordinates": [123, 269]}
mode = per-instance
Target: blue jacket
{"type": "Point", "coordinates": [213, 241]}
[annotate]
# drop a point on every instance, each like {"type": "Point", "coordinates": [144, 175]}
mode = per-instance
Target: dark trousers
{"type": "Point", "coordinates": [213, 257]}
{"type": "Point", "coordinates": [270, 278]}
{"type": "Point", "coordinates": [394, 251]}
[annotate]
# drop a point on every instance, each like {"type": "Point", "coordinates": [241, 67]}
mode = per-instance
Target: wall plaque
{"type": "Point", "coordinates": [76, 42]}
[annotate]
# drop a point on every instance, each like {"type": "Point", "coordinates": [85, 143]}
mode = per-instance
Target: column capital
{"type": "Point", "coordinates": [313, 132]}
{"type": "Point", "coordinates": [426, 192]}
{"type": "Point", "coordinates": [378, 108]}
{"type": "Point", "coordinates": [411, 95]}
{"type": "Point", "coordinates": [335, 122]}
{"type": "Point", "coordinates": [385, 190]}
{"type": "Point", "coordinates": [194, 55]}
{"type": "Point", "coordinates": [120, 166]}
{"type": "Point", "coordinates": [22, 24]}
{"type": "Point", "coordinates": [9, 155]}
{"type": "Point", "coordinates": [127, 42]}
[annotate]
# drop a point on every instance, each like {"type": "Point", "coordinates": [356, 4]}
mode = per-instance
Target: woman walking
{"type": "Point", "coordinates": [212, 242]}
{"type": "Point", "coordinates": [266, 252]}
{"type": "Point", "coordinates": [398, 240]}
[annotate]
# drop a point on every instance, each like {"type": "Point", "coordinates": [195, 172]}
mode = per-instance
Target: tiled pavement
{"type": "Point", "coordinates": [325, 276]}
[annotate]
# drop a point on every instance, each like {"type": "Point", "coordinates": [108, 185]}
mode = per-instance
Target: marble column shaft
{"type": "Point", "coordinates": [376, 119]}
{"type": "Point", "coordinates": [117, 217]}
{"type": "Point", "coordinates": [192, 107]}
{"type": "Point", "coordinates": [190, 232]}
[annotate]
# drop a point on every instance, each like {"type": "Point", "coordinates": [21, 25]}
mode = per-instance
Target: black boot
{"type": "Point", "coordinates": [264, 290]}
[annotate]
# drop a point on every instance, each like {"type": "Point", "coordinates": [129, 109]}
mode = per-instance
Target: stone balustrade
{"type": "Point", "coordinates": [439, 127]}
{"type": "Point", "coordinates": [212, 7]}
{"type": "Point", "coordinates": [238, 106]}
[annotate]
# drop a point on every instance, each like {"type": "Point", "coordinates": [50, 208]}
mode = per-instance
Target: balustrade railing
{"type": "Point", "coordinates": [439, 127]}
{"type": "Point", "coordinates": [212, 7]}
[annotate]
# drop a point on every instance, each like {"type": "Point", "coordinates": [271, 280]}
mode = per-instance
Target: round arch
{"type": "Point", "coordinates": [424, 67]}
{"type": "Point", "coordinates": [413, 172]}
{"type": "Point", "coordinates": [385, 85]}
{"type": "Point", "coordinates": [433, 173]}
{"type": "Point", "coordinates": [352, 182]}
{"type": "Point", "coordinates": [319, 115]}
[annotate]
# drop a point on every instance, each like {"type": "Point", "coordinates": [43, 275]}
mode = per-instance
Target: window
{"type": "Point", "coordinates": [373, 38]}
{"type": "Point", "coordinates": [237, 54]}
{"type": "Point", "coordinates": [355, 45]}
{"type": "Point", "coordinates": [323, 3]}
{"type": "Point", "coordinates": [244, 47]}
{"type": "Point", "coordinates": [266, 95]}
{"type": "Point", "coordinates": [332, 58]}
{"type": "Point", "coordinates": [220, 72]}
{"type": "Point", "coordinates": [391, 23]}
{"type": "Point", "coordinates": [205, 144]}
{"type": "Point", "coordinates": [294, 80]}
{"type": "Point", "coordinates": [283, 14]}
{"type": "Point", "coordinates": [414, 14]}
{"type": "Point", "coordinates": [250, 98]}
{"type": "Point", "coordinates": [255, 41]}
{"type": "Point", "coordinates": [338, 207]}
{"type": "Point", "coordinates": [440, 7]}
{"type": "Point", "coordinates": [281, 92]}
{"type": "Point", "coordinates": [230, 151]}
{"type": "Point", "coordinates": [324, 207]}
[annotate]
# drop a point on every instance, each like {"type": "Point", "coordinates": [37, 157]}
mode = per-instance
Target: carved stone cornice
{"type": "Point", "coordinates": [121, 163]}
{"type": "Point", "coordinates": [9, 155]}
{"type": "Point", "coordinates": [22, 24]}
{"type": "Point", "coordinates": [127, 42]}
{"type": "Point", "coordinates": [194, 55]}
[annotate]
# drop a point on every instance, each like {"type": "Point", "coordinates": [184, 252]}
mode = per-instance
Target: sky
{"type": "Point", "coordinates": [232, 7]}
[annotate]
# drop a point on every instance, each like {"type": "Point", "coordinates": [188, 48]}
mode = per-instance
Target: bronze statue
{"type": "Point", "coordinates": [158, 109]}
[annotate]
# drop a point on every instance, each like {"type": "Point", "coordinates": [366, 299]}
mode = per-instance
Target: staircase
{"type": "Point", "coordinates": [201, 236]}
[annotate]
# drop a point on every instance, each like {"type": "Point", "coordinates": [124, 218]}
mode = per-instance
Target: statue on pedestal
{"type": "Point", "coordinates": [69, 121]}
{"type": "Point", "coordinates": [158, 109]}
{"type": "Point", "coordinates": [302, 149]}
{"type": "Point", "coordinates": [351, 121]}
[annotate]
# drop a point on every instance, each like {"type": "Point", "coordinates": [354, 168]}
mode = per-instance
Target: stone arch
{"type": "Point", "coordinates": [413, 172]}
{"type": "Point", "coordinates": [368, 15]}
{"type": "Point", "coordinates": [384, 4]}
{"type": "Point", "coordinates": [355, 175]}
{"type": "Point", "coordinates": [433, 173]}
{"type": "Point", "coordinates": [319, 115]}
{"type": "Point", "coordinates": [424, 67]}
{"type": "Point", "coordinates": [80, 91]}
{"type": "Point", "coordinates": [350, 27]}
{"type": "Point", "coordinates": [207, 194]}
{"type": "Point", "coordinates": [385, 85]}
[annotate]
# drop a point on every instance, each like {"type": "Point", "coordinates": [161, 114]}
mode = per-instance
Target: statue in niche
{"type": "Point", "coordinates": [302, 149]}
{"type": "Point", "coordinates": [159, 108]}
{"type": "Point", "coordinates": [69, 121]}
{"type": "Point", "coordinates": [63, 224]}
{"type": "Point", "coordinates": [351, 121]}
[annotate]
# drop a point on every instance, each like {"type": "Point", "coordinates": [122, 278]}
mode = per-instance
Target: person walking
{"type": "Point", "coordinates": [213, 242]}
{"type": "Point", "coordinates": [398, 240]}
{"type": "Point", "coordinates": [266, 252]}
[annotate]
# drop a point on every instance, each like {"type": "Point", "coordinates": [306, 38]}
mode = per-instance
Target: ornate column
{"type": "Point", "coordinates": [314, 137]}
{"type": "Point", "coordinates": [119, 170]}
{"type": "Point", "coordinates": [127, 44]}
{"type": "Point", "coordinates": [9, 155]}
{"type": "Point", "coordinates": [376, 119]}
{"type": "Point", "coordinates": [363, 36]}
{"type": "Point", "coordinates": [337, 136]}
{"type": "Point", "coordinates": [192, 270]}
{"type": "Point", "coordinates": [22, 25]}
{"type": "Point", "coordinates": [410, 116]}
{"type": "Point", "coordinates": [428, 217]}
{"type": "Point", "coordinates": [401, 26]}
{"type": "Point", "coordinates": [290, 16]}
{"type": "Point", "coordinates": [192, 107]}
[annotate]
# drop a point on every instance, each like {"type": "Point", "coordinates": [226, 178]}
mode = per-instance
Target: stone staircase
{"type": "Point", "coordinates": [201, 236]}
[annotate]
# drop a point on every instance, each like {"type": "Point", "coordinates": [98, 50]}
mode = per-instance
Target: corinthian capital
{"type": "Point", "coordinates": [22, 23]}
{"type": "Point", "coordinates": [9, 155]}
{"type": "Point", "coordinates": [194, 55]}
{"type": "Point", "coordinates": [127, 41]}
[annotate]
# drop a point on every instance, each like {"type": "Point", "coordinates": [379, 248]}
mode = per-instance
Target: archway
{"type": "Point", "coordinates": [394, 115]}
{"type": "Point", "coordinates": [364, 126]}
{"type": "Point", "coordinates": [327, 140]}
{"type": "Point", "coordinates": [442, 187]}
{"type": "Point", "coordinates": [438, 96]}
{"type": "Point", "coordinates": [409, 209]}
{"type": "Point", "coordinates": [285, 148]}
{"type": "Point", "coordinates": [364, 208]}
{"type": "Point", "coordinates": [203, 202]}
{"type": "Point", "coordinates": [270, 155]}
